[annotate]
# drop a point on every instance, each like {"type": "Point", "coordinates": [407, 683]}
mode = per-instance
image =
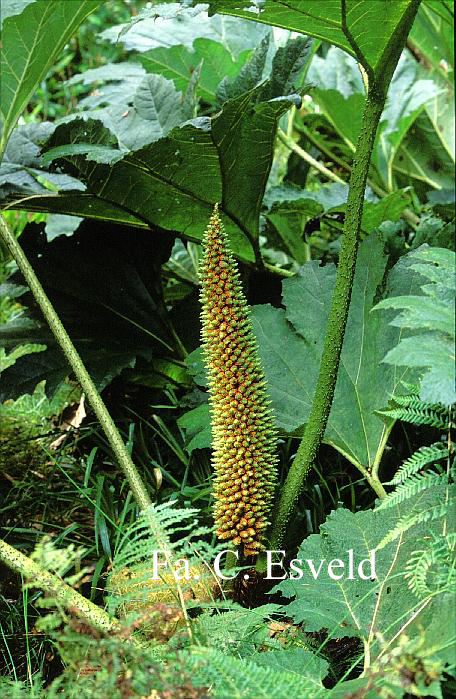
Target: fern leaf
{"type": "Point", "coordinates": [417, 416]}
{"type": "Point", "coordinates": [433, 569]}
{"type": "Point", "coordinates": [408, 521]}
{"type": "Point", "coordinates": [136, 584]}
{"type": "Point", "coordinates": [412, 400]}
{"type": "Point", "coordinates": [422, 457]}
{"type": "Point", "coordinates": [243, 679]}
{"type": "Point", "coordinates": [411, 388]}
{"type": "Point", "coordinates": [412, 486]}
{"type": "Point", "coordinates": [237, 631]}
{"type": "Point", "coordinates": [430, 321]}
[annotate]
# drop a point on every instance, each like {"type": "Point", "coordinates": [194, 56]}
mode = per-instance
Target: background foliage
{"type": "Point", "coordinates": [129, 129]}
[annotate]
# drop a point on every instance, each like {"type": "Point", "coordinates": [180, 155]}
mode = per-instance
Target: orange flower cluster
{"type": "Point", "coordinates": [244, 438]}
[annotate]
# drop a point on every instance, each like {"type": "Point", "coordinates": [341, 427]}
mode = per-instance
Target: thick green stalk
{"type": "Point", "coordinates": [120, 451]}
{"type": "Point", "coordinates": [316, 425]}
{"type": "Point", "coordinates": [55, 586]}
{"type": "Point", "coordinates": [318, 418]}
{"type": "Point", "coordinates": [115, 440]}
{"type": "Point", "coordinates": [123, 457]}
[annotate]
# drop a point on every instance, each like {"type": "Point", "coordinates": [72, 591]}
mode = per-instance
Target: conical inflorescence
{"type": "Point", "coordinates": [244, 438]}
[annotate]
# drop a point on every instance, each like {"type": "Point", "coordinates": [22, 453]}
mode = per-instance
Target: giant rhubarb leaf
{"type": "Point", "coordinates": [345, 600]}
{"type": "Point", "coordinates": [291, 343]}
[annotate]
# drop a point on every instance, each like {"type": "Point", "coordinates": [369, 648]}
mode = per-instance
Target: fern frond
{"type": "Point", "coordinates": [238, 631]}
{"type": "Point", "coordinates": [412, 486]}
{"type": "Point", "coordinates": [438, 562]}
{"type": "Point", "coordinates": [412, 400]}
{"type": "Point", "coordinates": [137, 541]}
{"type": "Point", "coordinates": [236, 678]}
{"type": "Point", "coordinates": [419, 415]}
{"type": "Point", "coordinates": [422, 457]}
{"type": "Point", "coordinates": [408, 521]}
{"type": "Point", "coordinates": [412, 389]}
{"type": "Point", "coordinates": [135, 583]}
{"type": "Point", "coordinates": [408, 401]}
{"type": "Point", "coordinates": [430, 323]}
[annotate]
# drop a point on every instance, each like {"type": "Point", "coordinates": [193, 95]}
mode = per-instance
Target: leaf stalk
{"type": "Point", "coordinates": [15, 559]}
{"type": "Point", "coordinates": [54, 585]}
{"type": "Point", "coordinates": [121, 453]}
{"type": "Point", "coordinates": [337, 320]}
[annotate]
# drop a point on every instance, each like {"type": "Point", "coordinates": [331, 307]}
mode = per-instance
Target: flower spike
{"type": "Point", "coordinates": [244, 437]}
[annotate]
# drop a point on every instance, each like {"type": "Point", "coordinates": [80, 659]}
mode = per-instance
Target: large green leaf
{"type": "Point", "coordinates": [244, 135]}
{"type": "Point", "coordinates": [431, 318]}
{"type": "Point", "coordinates": [197, 427]}
{"type": "Point", "coordinates": [432, 35]}
{"type": "Point", "coordinates": [431, 39]}
{"type": "Point", "coordinates": [176, 24]}
{"type": "Point", "coordinates": [178, 63]}
{"type": "Point", "coordinates": [157, 101]}
{"type": "Point", "coordinates": [290, 344]}
{"type": "Point", "coordinates": [114, 84]}
{"type": "Point", "coordinates": [376, 610]}
{"type": "Point", "coordinates": [249, 75]}
{"type": "Point", "coordinates": [423, 159]}
{"type": "Point", "coordinates": [13, 7]}
{"type": "Point", "coordinates": [441, 112]}
{"type": "Point", "coordinates": [289, 219]}
{"type": "Point", "coordinates": [370, 23]}
{"type": "Point", "coordinates": [388, 208]}
{"type": "Point", "coordinates": [82, 205]}
{"type": "Point", "coordinates": [32, 41]}
{"type": "Point", "coordinates": [136, 110]}
{"type": "Point", "coordinates": [339, 92]}
{"type": "Point", "coordinates": [330, 197]}
{"type": "Point", "coordinates": [287, 66]}
{"type": "Point", "coordinates": [174, 182]}
{"type": "Point", "coordinates": [220, 66]}
{"type": "Point", "coordinates": [21, 171]}
{"type": "Point", "coordinates": [407, 97]}
{"type": "Point", "coordinates": [293, 208]}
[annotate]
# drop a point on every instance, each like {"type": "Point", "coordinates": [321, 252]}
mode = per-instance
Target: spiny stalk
{"type": "Point", "coordinates": [244, 437]}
